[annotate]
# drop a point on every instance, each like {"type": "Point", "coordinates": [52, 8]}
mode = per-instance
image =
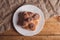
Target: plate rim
{"type": "Point", "coordinates": [20, 32]}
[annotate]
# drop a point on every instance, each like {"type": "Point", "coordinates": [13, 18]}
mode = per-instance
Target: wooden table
{"type": "Point", "coordinates": [51, 30]}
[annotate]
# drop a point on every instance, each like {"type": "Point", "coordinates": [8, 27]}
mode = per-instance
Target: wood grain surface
{"type": "Point", "coordinates": [50, 8]}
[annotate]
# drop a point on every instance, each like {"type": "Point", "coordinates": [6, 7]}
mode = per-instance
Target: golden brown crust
{"type": "Point", "coordinates": [28, 20]}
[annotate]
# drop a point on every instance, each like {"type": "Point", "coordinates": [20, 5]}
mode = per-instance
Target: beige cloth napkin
{"type": "Point", "coordinates": [8, 7]}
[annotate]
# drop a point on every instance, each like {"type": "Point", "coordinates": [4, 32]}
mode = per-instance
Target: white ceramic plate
{"type": "Point", "coordinates": [30, 8]}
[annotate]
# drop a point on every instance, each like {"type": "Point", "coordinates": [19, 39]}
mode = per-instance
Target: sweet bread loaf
{"type": "Point", "coordinates": [28, 20]}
